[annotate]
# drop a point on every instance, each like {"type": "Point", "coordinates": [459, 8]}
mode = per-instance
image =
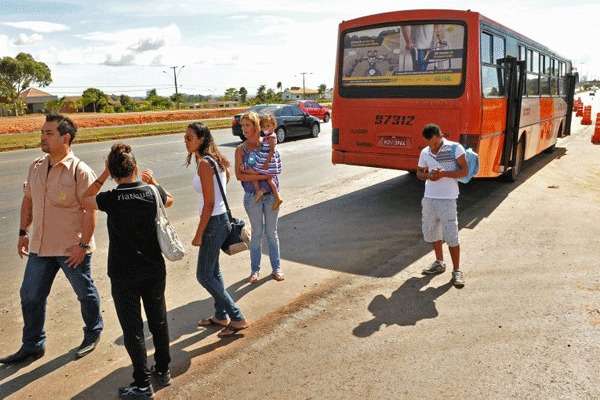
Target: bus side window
{"type": "Point", "coordinates": [492, 73]}
{"type": "Point", "coordinates": [486, 48]}
{"type": "Point", "coordinates": [498, 48]}
{"type": "Point", "coordinates": [533, 77]}
{"type": "Point", "coordinates": [523, 57]}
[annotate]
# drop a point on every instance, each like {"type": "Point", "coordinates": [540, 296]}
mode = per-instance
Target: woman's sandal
{"type": "Point", "coordinates": [208, 322]}
{"type": "Point", "coordinates": [253, 277]}
{"type": "Point", "coordinates": [231, 330]}
{"type": "Point", "coordinates": [278, 276]}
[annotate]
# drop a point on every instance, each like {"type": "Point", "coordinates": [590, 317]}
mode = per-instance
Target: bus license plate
{"type": "Point", "coordinates": [394, 141]}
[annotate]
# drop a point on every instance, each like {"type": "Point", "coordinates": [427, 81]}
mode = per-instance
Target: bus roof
{"type": "Point", "coordinates": [432, 14]}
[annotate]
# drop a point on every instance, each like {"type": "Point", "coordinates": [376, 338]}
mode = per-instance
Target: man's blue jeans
{"type": "Point", "coordinates": [37, 282]}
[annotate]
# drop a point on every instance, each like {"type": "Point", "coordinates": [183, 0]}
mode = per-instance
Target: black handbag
{"type": "Point", "coordinates": [238, 239]}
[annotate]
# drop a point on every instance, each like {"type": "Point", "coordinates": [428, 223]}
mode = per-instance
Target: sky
{"type": "Point", "coordinates": [127, 46]}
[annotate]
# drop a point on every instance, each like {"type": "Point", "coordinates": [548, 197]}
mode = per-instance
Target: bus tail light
{"type": "Point", "coordinates": [335, 136]}
{"type": "Point", "coordinates": [470, 141]}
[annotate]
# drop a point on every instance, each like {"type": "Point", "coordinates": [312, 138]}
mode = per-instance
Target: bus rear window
{"type": "Point", "coordinates": [404, 55]}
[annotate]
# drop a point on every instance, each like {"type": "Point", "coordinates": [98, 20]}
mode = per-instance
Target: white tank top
{"type": "Point", "coordinates": [219, 203]}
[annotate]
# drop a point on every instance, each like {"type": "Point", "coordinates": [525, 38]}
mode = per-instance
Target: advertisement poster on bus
{"type": "Point", "coordinates": [404, 55]}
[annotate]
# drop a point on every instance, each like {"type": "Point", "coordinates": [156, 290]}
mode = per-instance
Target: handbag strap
{"type": "Point", "coordinates": [216, 171]}
{"type": "Point", "coordinates": [160, 207]}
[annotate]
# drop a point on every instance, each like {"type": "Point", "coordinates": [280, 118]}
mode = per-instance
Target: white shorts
{"type": "Point", "coordinates": [440, 221]}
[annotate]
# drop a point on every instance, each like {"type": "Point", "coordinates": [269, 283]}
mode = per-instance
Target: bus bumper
{"type": "Point", "coordinates": [390, 161]}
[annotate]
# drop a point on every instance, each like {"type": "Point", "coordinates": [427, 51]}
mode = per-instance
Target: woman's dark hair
{"type": "Point", "coordinates": [121, 162]}
{"type": "Point", "coordinates": [208, 146]}
{"type": "Point", "coordinates": [431, 130]}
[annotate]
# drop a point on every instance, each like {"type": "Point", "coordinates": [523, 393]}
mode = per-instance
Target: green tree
{"type": "Point", "coordinates": [127, 102]}
{"type": "Point", "coordinates": [151, 93]}
{"type": "Point", "coordinates": [18, 74]}
{"type": "Point", "coordinates": [54, 106]}
{"type": "Point", "coordinates": [279, 86]}
{"type": "Point", "coordinates": [158, 102]}
{"type": "Point", "coordinates": [261, 94]}
{"type": "Point", "coordinates": [231, 94]}
{"type": "Point", "coordinates": [94, 99]}
{"type": "Point", "coordinates": [322, 89]}
{"type": "Point", "coordinates": [271, 96]}
{"type": "Point", "coordinates": [178, 99]}
{"type": "Point", "coordinates": [243, 94]}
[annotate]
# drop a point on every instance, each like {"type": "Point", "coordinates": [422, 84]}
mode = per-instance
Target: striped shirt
{"type": "Point", "coordinates": [262, 156]}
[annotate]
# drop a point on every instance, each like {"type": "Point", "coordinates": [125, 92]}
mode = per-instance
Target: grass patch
{"type": "Point", "coordinates": [14, 141]}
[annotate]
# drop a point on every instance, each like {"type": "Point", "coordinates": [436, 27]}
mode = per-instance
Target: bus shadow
{"type": "Point", "coordinates": [359, 231]}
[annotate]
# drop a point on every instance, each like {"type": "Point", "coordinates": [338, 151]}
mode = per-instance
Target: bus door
{"type": "Point", "coordinates": [570, 82]}
{"type": "Point", "coordinates": [514, 86]}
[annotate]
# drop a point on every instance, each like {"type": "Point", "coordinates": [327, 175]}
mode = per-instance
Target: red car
{"type": "Point", "coordinates": [315, 109]}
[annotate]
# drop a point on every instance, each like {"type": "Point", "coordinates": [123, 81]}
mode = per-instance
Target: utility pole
{"type": "Point", "coordinates": [175, 74]}
{"type": "Point", "coordinates": [304, 83]}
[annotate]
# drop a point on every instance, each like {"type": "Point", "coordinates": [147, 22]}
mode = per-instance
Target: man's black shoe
{"type": "Point", "coordinates": [22, 356]}
{"type": "Point", "coordinates": [134, 392]}
{"type": "Point", "coordinates": [163, 378]}
{"type": "Point", "coordinates": [87, 346]}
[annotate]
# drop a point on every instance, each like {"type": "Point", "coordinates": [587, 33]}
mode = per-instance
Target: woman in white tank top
{"type": "Point", "coordinates": [213, 227]}
{"type": "Point", "coordinates": [219, 206]}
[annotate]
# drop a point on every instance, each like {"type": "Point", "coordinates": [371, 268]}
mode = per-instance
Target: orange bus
{"type": "Point", "coordinates": [488, 87]}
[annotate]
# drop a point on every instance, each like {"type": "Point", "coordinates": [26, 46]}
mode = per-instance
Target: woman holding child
{"type": "Point", "coordinates": [257, 166]}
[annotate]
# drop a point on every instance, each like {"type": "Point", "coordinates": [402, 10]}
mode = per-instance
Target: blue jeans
{"type": "Point", "coordinates": [419, 61]}
{"type": "Point", "coordinates": [209, 272]}
{"type": "Point", "coordinates": [263, 220]}
{"type": "Point", "coordinates": [37, 282]}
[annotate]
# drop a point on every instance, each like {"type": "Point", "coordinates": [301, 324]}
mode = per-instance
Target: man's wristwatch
{"type": "Point", "coordinates": [84, 246]}
{"type": "Point", "coordinates": [22, 232]}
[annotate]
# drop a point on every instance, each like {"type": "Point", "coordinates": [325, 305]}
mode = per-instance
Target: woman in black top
{"type": "Point", "coordinates": [135, 264]}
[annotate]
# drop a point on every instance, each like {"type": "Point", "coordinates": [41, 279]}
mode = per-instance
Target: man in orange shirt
{"type": "Point", "coordinates": [61, 237]}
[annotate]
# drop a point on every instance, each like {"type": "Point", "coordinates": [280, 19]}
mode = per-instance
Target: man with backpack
{"type": "Point", "coordinates": [440, 165]}
{"type": "Point", "coordinates": [56, 234]}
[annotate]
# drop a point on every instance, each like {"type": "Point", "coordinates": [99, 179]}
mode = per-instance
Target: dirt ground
{"type": "Point", "coordinates": [526, 326]}
{"type": "Point", "coordinates": [31, 123]}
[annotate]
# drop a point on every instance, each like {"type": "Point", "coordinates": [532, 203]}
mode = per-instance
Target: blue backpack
{"type": "Point", "coordinates": [472, 159]}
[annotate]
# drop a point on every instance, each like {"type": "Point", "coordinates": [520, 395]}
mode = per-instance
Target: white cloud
{"type": "Point", "coordinates": [26, 40]}
{"type": "Point", "coordinates": [119, 61]}
{"type": "Point", "coordinates": [157, 61]}
{"type": "Point", "coordinates": [131, 37]}
{"type": "Point", "coordinates": [37, 26]}
{"type": "Point", "coordinates": [147, 44]}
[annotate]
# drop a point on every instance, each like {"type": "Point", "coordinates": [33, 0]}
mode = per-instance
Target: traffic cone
{"type": "Point", "coordinates": [576, 104]}
{"type": "Point", "coordinates": [596, 137]}
{"type": "Point", "coordinates": [579, 112]}
{"type": "Point", "coordinates": [587, 116]}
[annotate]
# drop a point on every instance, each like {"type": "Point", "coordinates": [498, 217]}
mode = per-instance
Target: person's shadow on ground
{"type": "Point", "coordinates": [182, 321]}
{"type": "Point", "coordinates": [406, 306]}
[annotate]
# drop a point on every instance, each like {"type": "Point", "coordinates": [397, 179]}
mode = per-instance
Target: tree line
{"type": "Point", "coordinates": [23, 72]}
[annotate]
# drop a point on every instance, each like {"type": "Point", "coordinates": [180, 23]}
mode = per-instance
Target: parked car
{"type": "Point", "coordinates": [236, 128]}
{"type": "Point", "coordinates": [291, 121]}
{"type": "Point", "coordinates": [315, 109]}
